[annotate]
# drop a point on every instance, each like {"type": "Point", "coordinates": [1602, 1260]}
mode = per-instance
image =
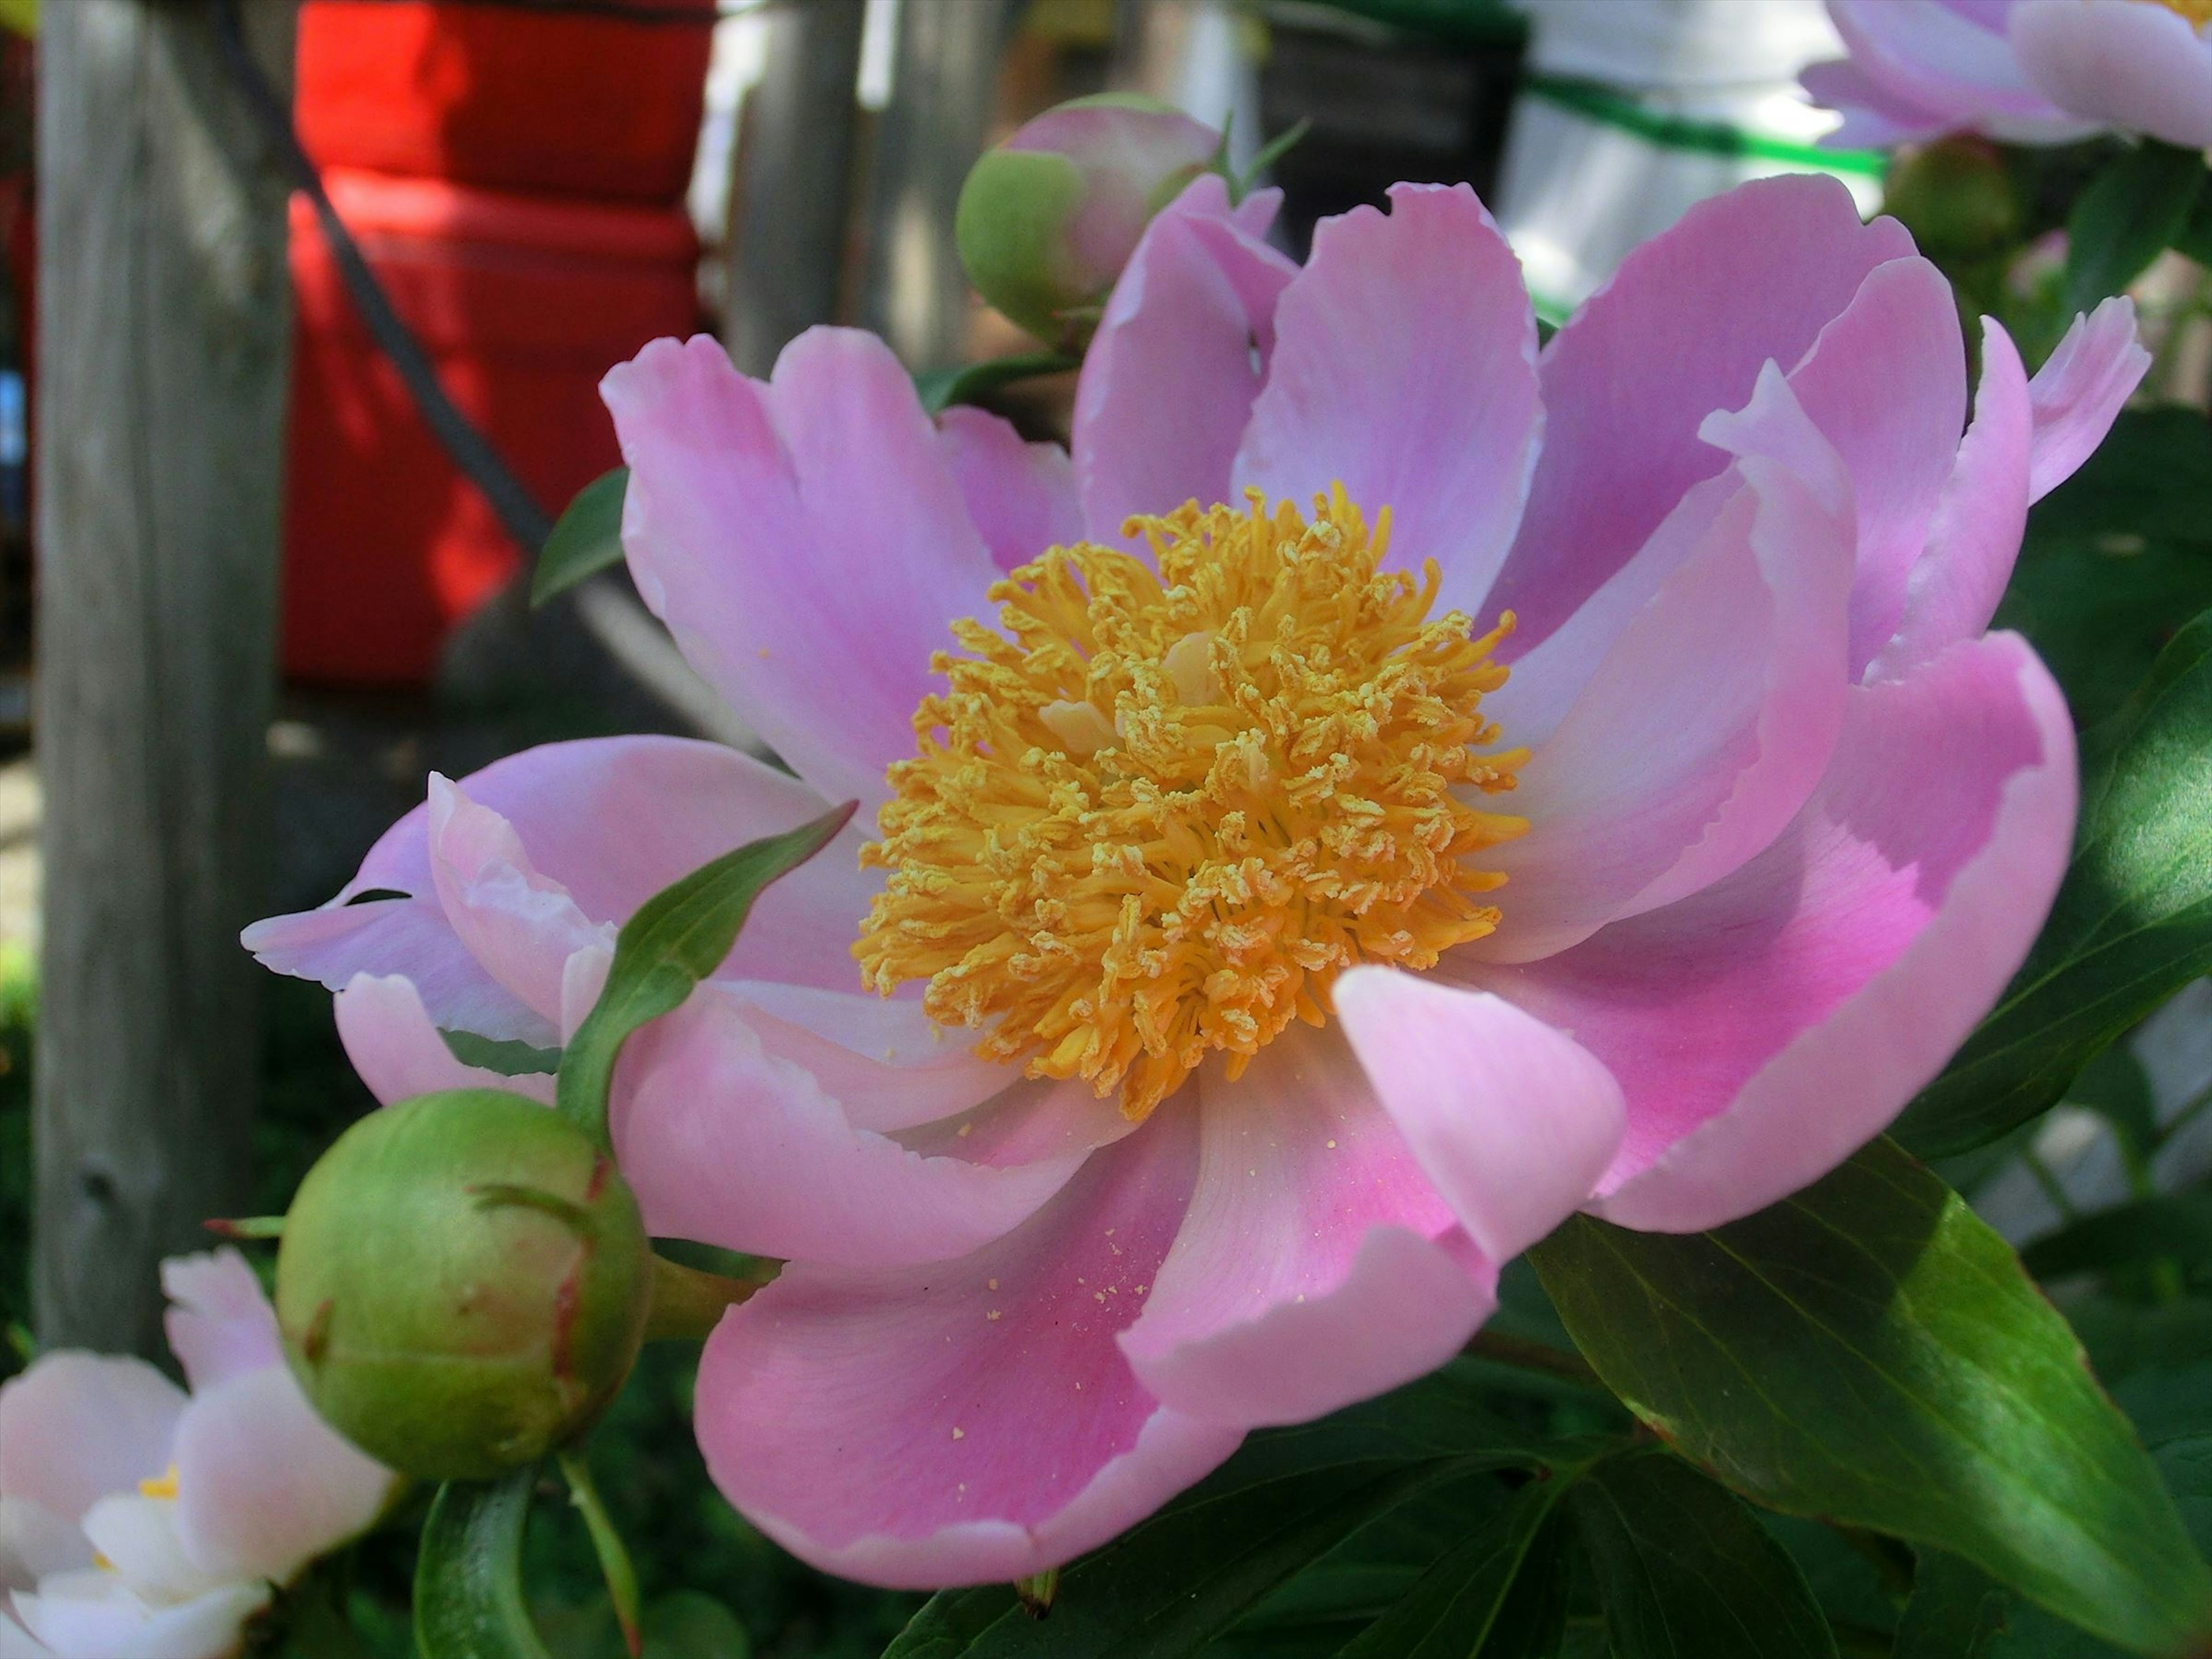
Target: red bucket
{"type": "Point", "coordinates": [507, 97]}
{"type": "Point", "coordinates": [522, 304]}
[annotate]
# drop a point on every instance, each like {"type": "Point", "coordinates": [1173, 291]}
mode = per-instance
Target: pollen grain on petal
{"type": "Point", "coordinates": [1157, 815]}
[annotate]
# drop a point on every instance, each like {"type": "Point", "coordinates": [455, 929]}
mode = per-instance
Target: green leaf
{"type": "Point", "coordinates": [687, 1625]}
{"type": "Point", "coordinates": [1870, 1352]}
{"type": "Point", "coordinates": [468, 1575]}
{"type": "Point", "coordinates": [586, 538]}
{"type": "Point", "coordinates": [941, 388]}
{"type": "Point", "coordinates": [1957, 1611]}
{"type": "Point", "coordinates": [676, 938]}
{"type": "Point", "coordinates": [1501, 1595]}
{"type": "Point", "coordinates": [1170, 1584]}
{"type": "Point", "coordinates": [1686, 1571]}
{"type": "Point", "coordinates": [2131, 213]}
{"type": "Point", "coordinates": [2171, 1227]}
{"type": "Point", "coordinates": [508, 1058]}
{"type": "Point", "coordinates": [2132, 923]}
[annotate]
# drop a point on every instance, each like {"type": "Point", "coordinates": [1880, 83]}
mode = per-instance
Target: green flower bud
{"type": "Point", "coordinates": [1955, 197]}
{"type": "Point", "coordinates": [463, 1284]}
{"type": "Point", "coordinates": [1047, 219]}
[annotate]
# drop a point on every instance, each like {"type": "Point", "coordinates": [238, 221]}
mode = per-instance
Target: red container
{"type": "Point", "coordinates": [507, 97]}
{"type": "Point", "coordinates": [522, 304]}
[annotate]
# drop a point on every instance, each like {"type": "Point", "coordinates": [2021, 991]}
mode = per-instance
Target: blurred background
{"type": "Point", "coordinates": [257, 577]}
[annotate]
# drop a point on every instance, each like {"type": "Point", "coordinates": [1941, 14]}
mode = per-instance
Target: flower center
{"type": "Point", "coordinates": [2197, 13]}
{"type": "Point", "coordinates": [1160, 818]}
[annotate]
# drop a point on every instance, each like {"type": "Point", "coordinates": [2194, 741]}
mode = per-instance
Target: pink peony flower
{"type": "Point", "coordinates": [1283, 940]}
{"type": "Point", "coordinates": [137, 1522]}
{"type": "Point", "coordinates": [2025, 71]}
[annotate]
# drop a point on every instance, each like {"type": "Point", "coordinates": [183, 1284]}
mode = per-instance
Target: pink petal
{"type": "Point", "coordinates": [2077, 394]}
{"type": "Point", "coordinates": [1168, 381]}
{"type": "Point", "coordinates": [218, 1324]}
{"type": "Point", "coordinates": [725, 1143]}
{"type": "Point", "coordinates": [1704, 728]}
{"type": "Point", "coordinates": [804, 539]}
{"type": "Point", "coordinates": [1885, 383]}
{"type": "Point", "coordinates": [34, 1542]}
{"type": "Point", "coordinates": [1020, 496]}
{"type": "Point", "coordinates": [1952, 592]}
{"type": "Point", "coordinates": [1514, 1122]}
{"type": "Point", "coordinates": [1948, 59]}
{"type": "Point", "coordinates": [1682, 329]}
{"type": "Point", "coordinates": [1771, 1024]}
{"type": "Point", "coordinates": [399, 1053]}
{"type": "Point", "coordinates": [1876, 116]}
{"type": "Point", "coordinates": [1310, 1272]}
{"type": "Point", "coordinates": [76, 1427]}
{"type": "Point", "coordinates": [1406, 370]}
{"type": "Point", "coordinates": [972, 1420]}
{"type": "Point", "coordinates": [613, 821]}
{"type": "Point", "coordinates": [263, 1486]}
{"type": "Point", "coordinates": [2141, 68]}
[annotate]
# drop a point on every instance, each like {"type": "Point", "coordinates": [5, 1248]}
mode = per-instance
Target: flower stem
{"type": "Point", "coordinates": [606, 1542]}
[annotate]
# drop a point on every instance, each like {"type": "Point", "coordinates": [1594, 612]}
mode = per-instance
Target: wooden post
{"type": "Point", "coordinates": [945, 88]}
{"type": "Point", "coordinates": [792, 183]}
{"type": "Point", "coordinates": [164, 332]}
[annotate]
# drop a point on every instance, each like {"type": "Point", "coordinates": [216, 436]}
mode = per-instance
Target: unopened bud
{"type": "Point", "coordinates": [463, 1284]}
{"type": "Point", "coordinates": [1955, 197]}
{"type": "Point", "coordinates": [1047, 219]}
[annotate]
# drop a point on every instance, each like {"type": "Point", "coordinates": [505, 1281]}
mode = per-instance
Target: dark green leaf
{"type": "Point", "coordinates": [468, 1575]}
{"type": "Point", "coordinates": [687, 1625]}
{"type": "Point", "coordinates": [1170, 1584]}
{"type": "Point", "coordinates": [1686, 1571]}
{"type": "Point", "coordinates": [2116, 1087]}
{"type": "Point", "coordinates": [1501, 1595]}
{"type": "Point", "coordinates": [2195, 237]}
{"type": "Point", "coordinates": [2171, 1227]}
{"type": "Point", "coordinates": [1957, 1611]}
{"type": "Point", "coordinates": [941, 388]}
{"type": "Point", "coordinates": [2132, 923]}
{"type": "Point", "coordinates": [2131, 213]}
{"type": "Point", "coordinates": [1870, 1352]}
{"type": "Point", "coordinates": [509, 1059]}
{"type": "Point", "coordinates": [676, 938]}
{"type": "Point", "coordinates": [585, 539]}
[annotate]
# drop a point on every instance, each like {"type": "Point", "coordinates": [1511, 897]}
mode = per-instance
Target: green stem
{"type": "Point", "coordinates": [687, 1303]}
{"type": "Point", "coordinates": [606, 1542]}
{"type": "Point", "coordinates": [1524, 1355]}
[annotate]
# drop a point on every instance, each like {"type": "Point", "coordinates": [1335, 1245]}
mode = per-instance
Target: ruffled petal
{"type": "Point", "coordinates": [2078, 392]}
{"type": "Point", "coordinates": [1942, 57]}
{"type": "Point", "coordinates": [1953, 590]}
{"type": "Point", "coordinates": [76, 1427]}
{"type": "Point", "coordinates": [1314, 1267]}
{"type": "Point", "coordinates": [1706, 725]}
{"type": "Point", "coordinates": [1766, 1028]}
{"type": "Point", "coordinates": [971, 1420]}
{"type": "Point", "coordinates": [1682, 329]}
{"type": "Point", "coordinates": [218, 1322]}
{"type": "Point", "coordinates": [1168, 384]}
{"type": "Point", "coordinates": [1406, 370]}
{"type": "Point", "coordinates": [1021, 496]}
{"type": "Point", "coordinates": [1513, 1120]}
{"type": "Point", "coordinates": [804, 539]}
{"type": "Point", "coordinates": [263, 1486]}
{"type": "Point", "coordinates": [137, 1536]}
{"type": "Point", "coordinates": [2140, 68]}
{"type": "Point", "coordinates": [80, 1615]}
{"type": "Point", "coordinates": [1876, 115]}
{"type": "Point", "coordinates": [399, 1053]}
{"type": "Point", "coordinates": [727, 1143]}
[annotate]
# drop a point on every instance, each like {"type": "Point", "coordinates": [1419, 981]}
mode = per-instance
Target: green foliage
{"type": "Point", "coordinates": [1502, 1595]}
{"type": "Point", "coordinates": [941, 388]}
{"type": "Point", "coordinates": [468, 1588]}
{"type": "Point", "coordinates": [2134, 209]}
{"type": "Point", "coordinates": [1870, 1352]}
{"type": "Point", "coordinates": [586, 538]}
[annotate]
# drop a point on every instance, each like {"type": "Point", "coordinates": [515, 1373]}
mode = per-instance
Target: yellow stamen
{"type": "Point", "coordinates": [1162, 818]}
{"type": "Point", "coordinates": [163, 1485]}
{"type": "Point", "coordinates": [2197, 13]}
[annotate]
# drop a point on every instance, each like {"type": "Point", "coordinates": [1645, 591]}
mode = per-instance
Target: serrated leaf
{"type": "Point", "coordinates": [1173, 1583]}
{"type": "Point", "coordinates": [468, 1573]}
{"type": "Point", "coordinates": [585, 539]}
{"type": "Point", "coordinates": [1500, 1595]}
{"type": "Point", "coordinates": [2132, 923]}
{"type": "Point", "coordinates": [675, 938]}
{"type": "Point", "coordinates": [2132, 212]}
{"type": "Point", "coordinates": [1684, 1571]}
{"type": "Point", "coordinates": [940, 388]}
{"type": "Point", "coordinates": [1870, 1352]}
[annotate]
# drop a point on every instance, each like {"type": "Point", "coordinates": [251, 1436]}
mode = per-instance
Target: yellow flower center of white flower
{"type": "Point", "coordinates": [2198, 12]}
{"type": "Point", "coordinates": [1161, 818]}
{"type": "Point", "coordinates": [161, 1486]}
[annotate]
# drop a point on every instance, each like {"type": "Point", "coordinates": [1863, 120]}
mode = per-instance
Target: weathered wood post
{"type": "Point", "coordinates": [791, 188]}
{"type": "Point", "coordinates": [164, 315]}
{"type": "Point", "coordinates": [945, 83]}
